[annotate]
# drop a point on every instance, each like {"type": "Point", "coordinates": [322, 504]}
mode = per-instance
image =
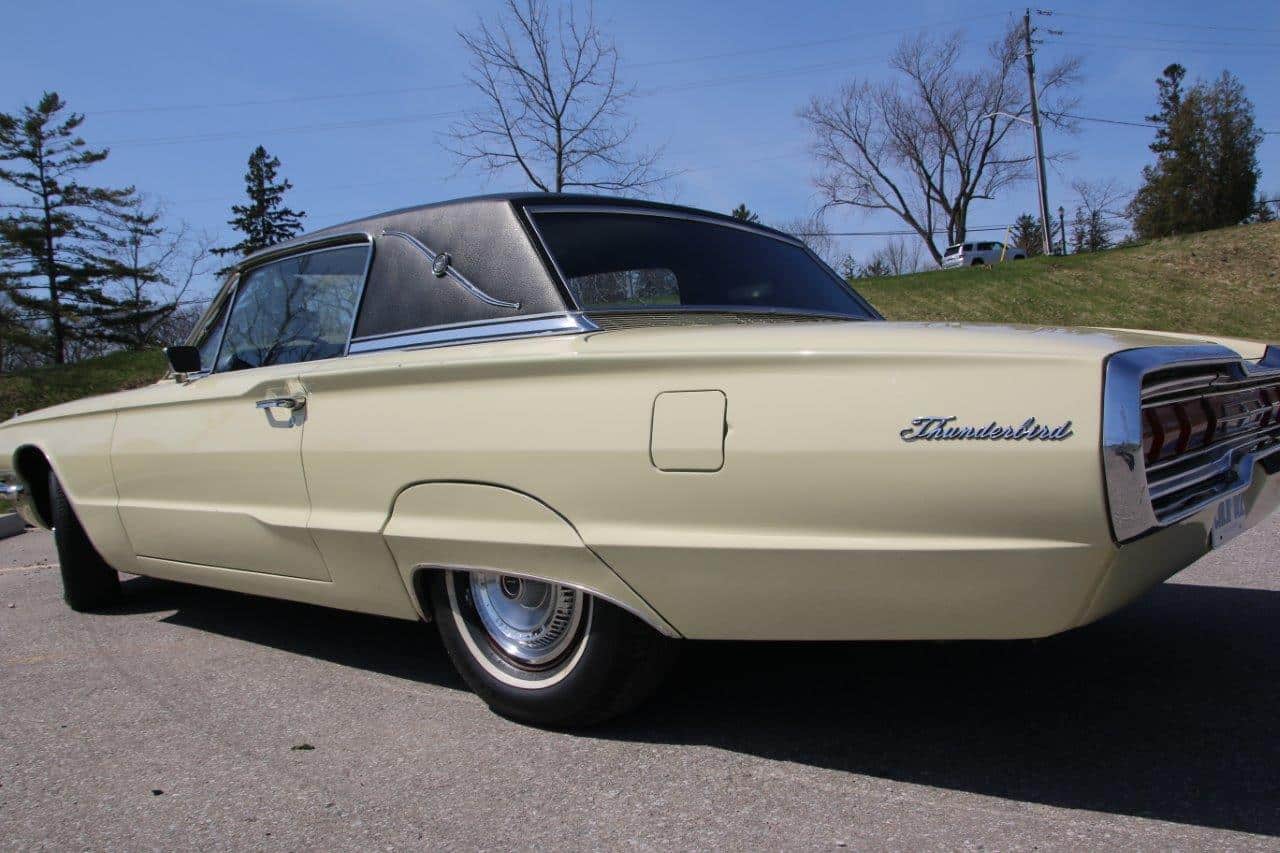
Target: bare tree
{"type": "Point", "coordinates": [929, 142]}
{"type": "Point", "coordinates": [163, 263]}
{"type": "Point", "coordinates": [1100, 213]}
{"type": "Point", "coordinates": [902, 256]}
{"type": "Point", "coordinates": [812, 230]}
{"type": "Point", "coordinates": [553, 103]}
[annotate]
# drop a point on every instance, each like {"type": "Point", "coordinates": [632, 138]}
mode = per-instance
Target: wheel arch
{"type": "Point", "coordinates": [33, 467]}
{"type": "Point", "coordinates": [462, 525]}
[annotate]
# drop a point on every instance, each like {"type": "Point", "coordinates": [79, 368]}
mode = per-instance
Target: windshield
{"type": "Point", "coordinates": [618, 261]}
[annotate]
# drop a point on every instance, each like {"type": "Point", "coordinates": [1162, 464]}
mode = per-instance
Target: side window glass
{"type": "Point", "coordinates": [295, 309]}
{"type": "Point", "coordinates": [208, 344]}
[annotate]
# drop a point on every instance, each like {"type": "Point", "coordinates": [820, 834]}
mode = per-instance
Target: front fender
{"type": "Point", "coordinates": [450, 525]}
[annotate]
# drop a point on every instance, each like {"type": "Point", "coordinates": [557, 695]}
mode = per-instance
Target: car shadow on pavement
{"type": "Point", "coordinates": [408, 650]}
{"type": "Point", "coordinates": [1169, 709]}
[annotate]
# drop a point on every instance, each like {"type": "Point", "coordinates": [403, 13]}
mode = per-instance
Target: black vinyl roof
{"type": "Point", "coordinates": [467, 206]}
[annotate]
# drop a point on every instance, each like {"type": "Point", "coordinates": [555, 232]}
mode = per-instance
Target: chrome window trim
{"type": "Point", "coordinates": [225, 294]}
{"type": "Point", "coordinates": [452, 273]}
{"type": "Point", "coordinates": [531, 209]}
{"type": "Point", "coordinates": [364, 285]}
{"type": "Point", "coordinates": [1129, 498]}
{"type": "Point", "coordinates": [476, 332]}
{"type": "Point", "coordinates": [302, 246]}
{"type": "Point", "coordinates": [345, 240]}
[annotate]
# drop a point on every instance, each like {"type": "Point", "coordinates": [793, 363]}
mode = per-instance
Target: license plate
{"type": "Point", "coordinates": [1228, 522]}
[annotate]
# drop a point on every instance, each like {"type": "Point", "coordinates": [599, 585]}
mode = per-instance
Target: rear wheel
{"type": "Point", "coordinates": [545, 653]}
{"type": "Point", "coordinates": [88, 583]}
{"type": "Point", "coordinates": [977, 262]}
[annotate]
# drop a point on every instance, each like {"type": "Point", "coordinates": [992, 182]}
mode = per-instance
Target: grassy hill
{"type": "Point", "coordinates": [1219, 282]}
{"type": "Point", "coordinates": [27, 390]}
{"type": "Point", "coordinates": [1223, 282]}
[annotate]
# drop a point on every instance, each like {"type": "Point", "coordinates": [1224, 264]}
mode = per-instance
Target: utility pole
{"type": "Point", "coordinates": [1035, 127]}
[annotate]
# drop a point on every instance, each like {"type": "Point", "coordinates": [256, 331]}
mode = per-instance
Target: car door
{"type": "Point", "coordinates": [209, 470]}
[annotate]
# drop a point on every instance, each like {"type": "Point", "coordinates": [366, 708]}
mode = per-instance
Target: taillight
{"type": "Point", "coordinates": [1166, 432]}
{"type": "Point", "coordinates": [1172, 429]}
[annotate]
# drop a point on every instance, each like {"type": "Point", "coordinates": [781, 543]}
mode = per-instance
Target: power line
{"type": "Point", "coordinates": [684, 60]}
{"type": "Point", "coordinates": [1153, 48]}
{"type": "Point", "coordinates": [164, 108]}
{"type": "Point", "coordinates": [301, 128]}
{"type": "Point", "coordinates": [415, 118]}
{"type": "Point", "coordinates": [1129, 39]}
{"type": "Point", "coordinates": [1101, 120]}
{"type": "Point", "coordinates": [1195, 26]}
{"type": "Point", "coordinates": [1116, 121]}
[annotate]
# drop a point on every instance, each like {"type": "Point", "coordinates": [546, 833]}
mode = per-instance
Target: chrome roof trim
{"type": "Point", "coordinates": [663, 213]}
{"type": "Point", "coordinates": [458, 277]}
{"type": "Point", "coordinates": [485, 330]}
{"type": "Point", "coordinates": [302, 247]}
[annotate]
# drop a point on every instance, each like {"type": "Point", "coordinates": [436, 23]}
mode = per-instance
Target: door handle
{"type": "Point", "coordinates": [290, 403]}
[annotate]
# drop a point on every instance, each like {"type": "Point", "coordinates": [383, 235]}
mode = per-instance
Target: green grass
{"type": "Point", "coordinates": [27, 390]}
{"type": "Point", "coordinates": [1224, 282]}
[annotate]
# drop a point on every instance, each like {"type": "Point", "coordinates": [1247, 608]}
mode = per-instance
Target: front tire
{"type": "Point", "coordinates": [88, 583]}
{"type": "Point", "coordinates": [544, 653]}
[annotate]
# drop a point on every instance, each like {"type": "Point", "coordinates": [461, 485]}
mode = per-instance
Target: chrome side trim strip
{"type": "Point", "coordinates": [451, 272]}
{"type": "Point", "coordinates": [557, 324]}
{"type": "Point", "coordinates": [1129, 497]}
{"type": "Point", "coordinates": [656, 624]}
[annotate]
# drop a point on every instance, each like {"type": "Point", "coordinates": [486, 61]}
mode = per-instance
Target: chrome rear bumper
{"type": "Point", "coordinates": [15, 497]}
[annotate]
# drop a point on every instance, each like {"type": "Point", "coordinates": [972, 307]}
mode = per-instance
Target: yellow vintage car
{"type": "Point", "coordinates": [572, 431]}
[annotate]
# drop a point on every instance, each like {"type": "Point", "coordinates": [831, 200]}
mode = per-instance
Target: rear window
{"type": "Point", "coordinates": [951, 250]}
{"type": "Point", "coordinates": [986, 247]}
{"type": "Point", "coordinates": [617, 260]}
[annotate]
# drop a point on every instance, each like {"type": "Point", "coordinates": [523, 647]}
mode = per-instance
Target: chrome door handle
{"type": "Point", "coordinates": [290, 403]}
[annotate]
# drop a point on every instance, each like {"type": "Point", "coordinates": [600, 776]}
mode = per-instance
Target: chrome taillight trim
{"type": "Point", "coordinates": [1129, 496]}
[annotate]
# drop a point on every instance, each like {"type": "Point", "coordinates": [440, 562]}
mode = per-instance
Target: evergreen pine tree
{"type": "Point", "coordinates": [58, 235]}
{"type": "Point", "coordinates": [264, 221]}
{"type": "Point", "coordinates": [744, 213]}
{"type": "Point", "coordinates": [1027, 235]}
{"type": "Point", "coordinates": [1206, 170]}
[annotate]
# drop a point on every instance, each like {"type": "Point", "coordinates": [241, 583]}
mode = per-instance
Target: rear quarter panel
{"type": "Point", "coordinates": [821, 524]}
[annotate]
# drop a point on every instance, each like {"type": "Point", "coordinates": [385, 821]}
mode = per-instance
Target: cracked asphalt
{"type": "Point", "coordinates": [193, 718]}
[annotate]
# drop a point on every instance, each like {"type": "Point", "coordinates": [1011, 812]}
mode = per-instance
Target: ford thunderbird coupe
{"type": "Point", "coordinates": [572, 431]}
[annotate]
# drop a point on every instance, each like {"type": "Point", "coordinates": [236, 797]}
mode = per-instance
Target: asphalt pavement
{"type": "Point", "coordinates": [194, 718]}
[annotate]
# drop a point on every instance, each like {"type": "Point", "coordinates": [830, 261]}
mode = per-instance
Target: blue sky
{"type": "Point", "coordinates": [136, 70]}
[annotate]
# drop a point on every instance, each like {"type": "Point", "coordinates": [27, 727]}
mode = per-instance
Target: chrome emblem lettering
{"type": "Point", "coordinates": [938, 428]}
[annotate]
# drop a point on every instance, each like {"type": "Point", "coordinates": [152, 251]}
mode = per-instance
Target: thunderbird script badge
{"type": "Point", "coordinates": [937, 428]}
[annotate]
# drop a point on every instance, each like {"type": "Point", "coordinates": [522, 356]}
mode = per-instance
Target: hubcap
{"type": "Point", "coordinates": [531, 622]}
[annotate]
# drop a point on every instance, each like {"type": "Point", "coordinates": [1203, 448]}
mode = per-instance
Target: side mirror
{"type": "Point", "coordinates": [183, 359]}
